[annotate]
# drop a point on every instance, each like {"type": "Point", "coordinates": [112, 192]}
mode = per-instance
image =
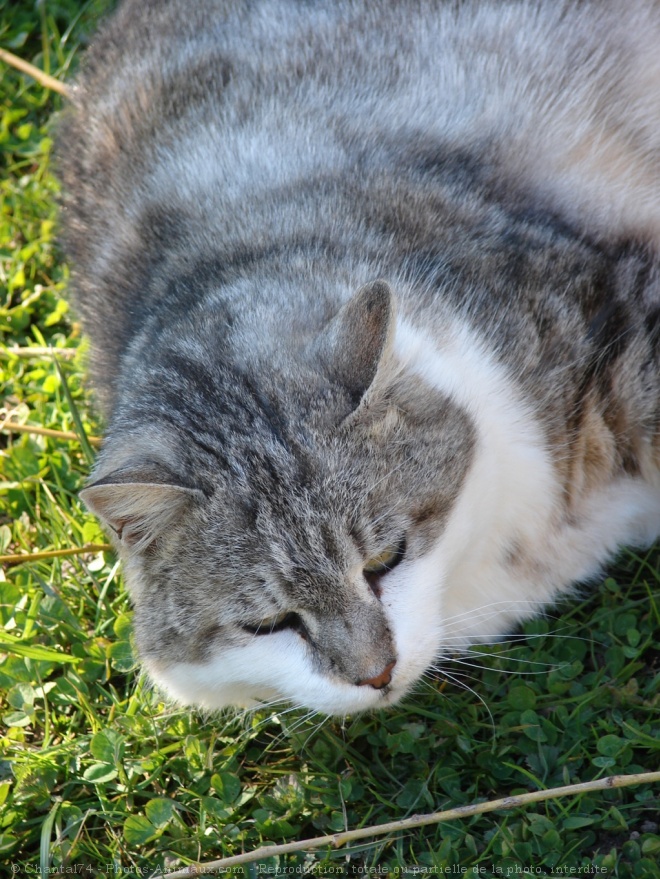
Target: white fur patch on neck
{"type": "Point", "coordinates": [510, 493]}
{"type": "Point", "coordinates": [510, 504]}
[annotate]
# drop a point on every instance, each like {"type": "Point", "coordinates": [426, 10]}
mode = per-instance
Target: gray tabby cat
{"type": "Point", "coordinates": [373, 290]}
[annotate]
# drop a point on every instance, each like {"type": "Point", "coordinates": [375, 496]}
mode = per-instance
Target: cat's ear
{"type": "Point", "coordinates": [135, 508]}
{"type": "Point", "coordinates": [355, 342]}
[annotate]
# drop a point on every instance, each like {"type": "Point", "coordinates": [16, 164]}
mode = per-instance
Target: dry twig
{"type": "Point", "coordinates": [336, 840]}
{"type": "Point", "coordinates": [11, 427]}
{"type": "Point", "coordinates": [54, 553]}
{"type": "Point", "coordinates": [27, 353]}
{"type": "Point", "coordinates": [42, 78]}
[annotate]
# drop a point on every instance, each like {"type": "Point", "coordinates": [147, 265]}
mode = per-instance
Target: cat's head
{"type": "Point", "coordinates": [276, 530]}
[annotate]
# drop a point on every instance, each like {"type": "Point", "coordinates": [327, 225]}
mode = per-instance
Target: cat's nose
{"type": "Point", "coordinates": [381, 680]}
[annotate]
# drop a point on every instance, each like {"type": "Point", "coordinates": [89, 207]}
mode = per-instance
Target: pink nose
{"type": "Point", "coordinates": [381, 680]}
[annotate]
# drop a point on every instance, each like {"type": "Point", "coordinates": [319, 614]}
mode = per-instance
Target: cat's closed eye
{"type": "Point", "coordinates": [383, 563]}
{"type": "Point", "coordinates": [276, 623]}
{"type": "Point", "coordinates": [386, 560]}
{"type": "Point", "coordinates": [375, 568]}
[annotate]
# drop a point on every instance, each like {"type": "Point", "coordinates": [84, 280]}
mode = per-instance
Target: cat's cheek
{"type": "Point", "coordinates": [273, 669]}
{"type": "Point", "coordinates": [232, 677]}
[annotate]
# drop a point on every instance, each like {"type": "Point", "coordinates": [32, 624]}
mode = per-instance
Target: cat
{"type": "Point", "coordinates": [373, 296]}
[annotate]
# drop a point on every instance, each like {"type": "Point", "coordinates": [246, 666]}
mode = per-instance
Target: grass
{"type": "Point", "coordinates": [99, 777]}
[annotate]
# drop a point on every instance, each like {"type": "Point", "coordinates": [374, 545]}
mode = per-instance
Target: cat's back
{"type": "Point", "coordinates": [569, 87]}
{"type": "Point", "coordinates": [218, 127]}
{"type": "Point", "coordinates": [216, 99]}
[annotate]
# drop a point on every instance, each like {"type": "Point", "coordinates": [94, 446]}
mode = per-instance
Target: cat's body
{"type": "Point", "coordinates": [484, 420]}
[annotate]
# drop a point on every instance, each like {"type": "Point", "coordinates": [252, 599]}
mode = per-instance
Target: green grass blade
{"type": "Point", "coordinates": [34, 651]}
{"type": "Point", "coordinates": [75, 414]}
{"type": "Point", "coordinates": [44, 848]}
